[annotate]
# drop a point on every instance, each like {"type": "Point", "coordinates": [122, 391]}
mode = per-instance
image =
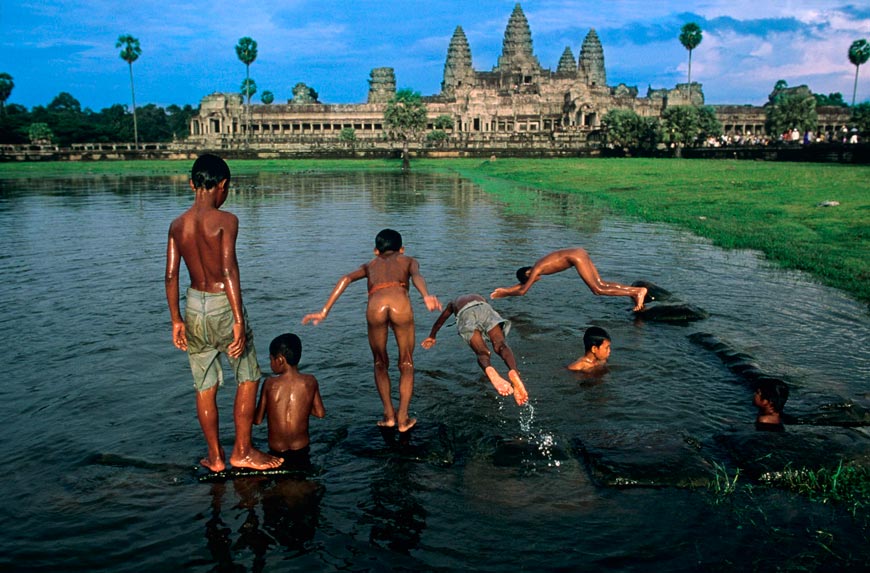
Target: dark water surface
{"type": "Point", "coordinates": [101, 440]}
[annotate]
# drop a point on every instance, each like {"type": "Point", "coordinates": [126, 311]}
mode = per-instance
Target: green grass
{"type": "Point", "coordinates": [767, 206]}
{"type": "Point", "coordinates": [847, 485]}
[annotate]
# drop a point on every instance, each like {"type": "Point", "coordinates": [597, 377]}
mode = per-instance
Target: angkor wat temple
{"type": "Point", "coordinates": [518, 106]}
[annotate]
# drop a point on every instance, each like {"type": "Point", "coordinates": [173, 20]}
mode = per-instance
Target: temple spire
{"type": "Point", "coordinates": [457, 67]}
{"type": "Point", "coordinates": [516, 54]}
{"type": "Point", "coordinates": [567, 63]}
{"type": "Point", "coordinates": [591, 63]}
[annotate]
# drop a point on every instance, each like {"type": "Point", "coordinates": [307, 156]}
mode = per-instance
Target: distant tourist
{"type": "Point", "coordinates": [558, 261]}
{"type": "Point", "coordinates": [215, 321]}
{"type": "Point", "coordinates": [389, 307]}
{"type": "Point", "coordinates": [477, 322]}
{"type": "Point", "coordinates": [288, 399]}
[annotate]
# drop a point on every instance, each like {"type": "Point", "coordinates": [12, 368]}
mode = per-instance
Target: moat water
{"type": "Point", "coordinates": [101, 441]}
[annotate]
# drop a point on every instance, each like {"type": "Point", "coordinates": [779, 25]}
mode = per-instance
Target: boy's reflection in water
{"type": "Point", "coordinates": [289, 517]}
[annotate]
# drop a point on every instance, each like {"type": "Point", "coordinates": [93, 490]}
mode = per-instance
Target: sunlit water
{"type": "Point", "coordinates": [100, 438]}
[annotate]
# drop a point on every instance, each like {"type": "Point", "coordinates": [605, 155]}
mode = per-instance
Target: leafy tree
{"type": "Point", "coordinates": [179, 120]}
{"type": "Point", "coordinates": [708, 124]}
{"type": "Point", "coordinates": [267, 97]}
{"type": "Point", "coordinates": [436, 136]}
{"type": "Point", "coordinates": [780, 85]}
{"type": "Point", "coordinates": [861, 117]}
{"type": "Point", "coordinates": [40, 133]}
{"type": "Point", "coordinates": [443, 122]}
{"type": "Point", "coordinates": [405, 116]}
{"type": "Point", "coordinates": [791, 108]}
{"type": "Point", "coordinates": [246, 50]}
{"type": "Point", "coordinates": [625, 129]}
{"type": "Point", "coordinates": [304, 94]}
{"type": "Point", "coordinates": [6, 85]}
{"type": "Point", "coordinates": [686, 125]}
{"type": "Point", "coordinates": [832, 99]}
{"type": "Point", "coordinates": [347, 135]}
{"type": "Point", "coordinates": [14, 123]}
{"type": "Point", "coordinates": [859, 53]}
{"type": "Point", "coordinates": [130, 53]}
{"type": "Point", "coordinates": [248, 88]}
{"type": "Point", "coordinates": [690, 38]}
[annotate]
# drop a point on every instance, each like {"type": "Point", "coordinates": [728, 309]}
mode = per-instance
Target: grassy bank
{"type": "Point", "coordinates": [767, 206]}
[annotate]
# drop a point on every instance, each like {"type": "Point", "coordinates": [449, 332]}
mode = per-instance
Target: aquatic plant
{"type": "Point", "coordinates": [845, 484]}
{"type": "Point", "coordinates": [723, 483]}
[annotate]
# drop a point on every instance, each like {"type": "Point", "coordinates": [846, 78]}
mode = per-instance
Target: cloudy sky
{"type": "Point", "coordinates": [53, 46]}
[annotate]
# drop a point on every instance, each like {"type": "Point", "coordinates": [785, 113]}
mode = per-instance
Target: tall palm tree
{"type": "Point", "coordinates": [859, 53]}
{"type": "Point", "coordinates": [130, 54]}
{"type": "Point", "coordinates": [246, 50]}
{"type": "Point", "coordinates": [690, 38]}
{"type": "Point", "coordinates": [6, 85]}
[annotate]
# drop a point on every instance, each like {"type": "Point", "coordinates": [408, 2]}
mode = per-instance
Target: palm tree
{"type": "Point", "coordinates": [130, 54]}
{"type": "Point", "coordinates": [859, 53]}
{"type": "Point", "coordinates": [246, 50]}
{"type": "Point", "coordinates": [690, 38]}
{"type": "Point", "coordinates": [405, 116]}
{"type": "Point", "coordinates": [6, 85]}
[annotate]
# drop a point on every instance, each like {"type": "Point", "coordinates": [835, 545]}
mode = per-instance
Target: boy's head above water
{"type": "Point", "coordinates": [388, 240]}
{"type": "Point", "coordinates": [523, 274]}
{"type": "Point", "coordinates": [209, 170]}
{"type": "Point", "coordinates": [772, 394]}
{"type": "Point", "coordinates": [596, 337]}
{"type": "Point", "coordinates": [287, 346]}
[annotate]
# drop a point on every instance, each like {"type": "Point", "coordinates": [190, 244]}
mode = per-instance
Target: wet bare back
{"type": "Point", "coordinates": [205, 238]}
{"type": "Point", "coordinates": [289, 401]}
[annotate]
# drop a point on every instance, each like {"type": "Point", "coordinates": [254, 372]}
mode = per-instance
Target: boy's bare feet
{"type": "Point", "coordinates": [407, 424]}
{"type": "Point", "coordinates": [217, 465]}
{"type": "Point", "coordinates": [638, 299]}
{"type": "Point", "coordinates": [520, 394]}
{"type": "Point", "coordinates": [387, 422]}
{"type": "Point", "coordinates": [501, 385]}
{"type": "Point", "coordinates": [256, 460]}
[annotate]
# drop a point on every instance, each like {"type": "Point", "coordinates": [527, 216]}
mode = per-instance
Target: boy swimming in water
{"type": "Point", "coordinates": [289, 398]}
{"type": "Point", "coordinates": [770, 397]}
{"type": "Point", "coordinates": [215, 321]}
{"type": "Point", "coordinates": [389, 307]}
{"type": "Point", "coordinates": [596, 344]}
{"type": "Point", "coordinates": [561, 260]}
{"type": "Point", "coordinates": [477, 322]}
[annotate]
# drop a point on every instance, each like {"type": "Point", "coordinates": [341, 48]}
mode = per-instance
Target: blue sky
{"type": "Point", "coordinates": [51, 46]}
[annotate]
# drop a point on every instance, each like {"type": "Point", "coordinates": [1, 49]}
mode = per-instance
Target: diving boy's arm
{"type": "Point", "coordinates": [432, 302]}
{"type": "Point", "coordinates": [173, 266]}
{"type": "Point", "coordinates": [439, 322]}
{"type": "Point", "coordinates": [340, 286]}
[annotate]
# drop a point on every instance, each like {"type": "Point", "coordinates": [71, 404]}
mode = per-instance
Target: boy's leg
{"type": "Point", "coordinates": [593, 280]}
{"type": "Point", "coordinates": [478, 345]}
{"type": "Point", "coordinates": [403, 329]}
{"type": "Point", "coordinates": [207, 413]}
{"type": "Point", "coordinates": [499, 344]}
{"type": "Point", "coordinates": [378, 343]}
{"type": "Point", "coordinates": [245, 455]}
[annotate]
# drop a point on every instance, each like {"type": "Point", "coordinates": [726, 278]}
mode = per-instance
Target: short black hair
{"type": "Point", "coordinates": [594, 336]}
{"type": "Point", "coordinates": [388, 240]}
{"type": "Point", "coordinates": [774, 391]}
{"type": "Point", "coordinates": [287, 345]}
{"type": "Point", "coordinates": [523, 274]}
{"type": "Point", "coordinates": [209, 170]}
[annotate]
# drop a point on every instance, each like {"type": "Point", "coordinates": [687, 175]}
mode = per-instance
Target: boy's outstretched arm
{"type": "Point", "coordinates": [430, 341]}
{"type": "Point", "coordinates": [340, 286]}
{"type": "Point", "coordinates": [173, 265]}
{"type": "Point", "coordinates": [432, 302]}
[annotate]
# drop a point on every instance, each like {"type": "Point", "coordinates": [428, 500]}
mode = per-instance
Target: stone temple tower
{"type": "Point", "coordinates": [567, 63]}
{"type": "Point", "coordinates": [382, 85]}
{"type": "Point", "coordinates": [591, 66]}
{"type": "Point", "coordinates": [457, 69]}
{"type": "Point", "coordinates": [517, 57]}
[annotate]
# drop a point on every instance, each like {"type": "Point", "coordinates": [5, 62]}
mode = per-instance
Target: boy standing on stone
{"type": "Point", "coordinates": [215, 321]}
{"type": "Point", "coordinates": [389, 307]}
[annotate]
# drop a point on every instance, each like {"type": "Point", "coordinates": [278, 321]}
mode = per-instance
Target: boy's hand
{"type": "Point", "coordinates": [314, 317]}
{"type": "Point", "coordinates": [432, 302]}
{"type": "Point", "coordinates": [237, 346]}
{"type": "Point", "coordinates": [498, 293]}
{"type": "Point", "coordinates": [428, 343]}
{"type": "Point", "coordinates": [179, 336]}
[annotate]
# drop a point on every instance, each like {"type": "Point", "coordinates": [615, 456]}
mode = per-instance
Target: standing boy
{"type": "Point", "coordinates": [561, 260]}
{"type": "Point", "coordinates": [389, 307]}
{"type": "Point", "coordinates": [596, 344]}
{"type": "Point", "coordinates": [215, 320]}
{"type": "Point", "coordinates": [289, 398]}
{"type": "Point", "coordinates": [477, 322]}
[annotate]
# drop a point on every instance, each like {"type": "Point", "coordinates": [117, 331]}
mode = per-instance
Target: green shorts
{"type": "Point", "coordinates": [478, 315]}
{"type": "Point", "coordinates": [208, 322]}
